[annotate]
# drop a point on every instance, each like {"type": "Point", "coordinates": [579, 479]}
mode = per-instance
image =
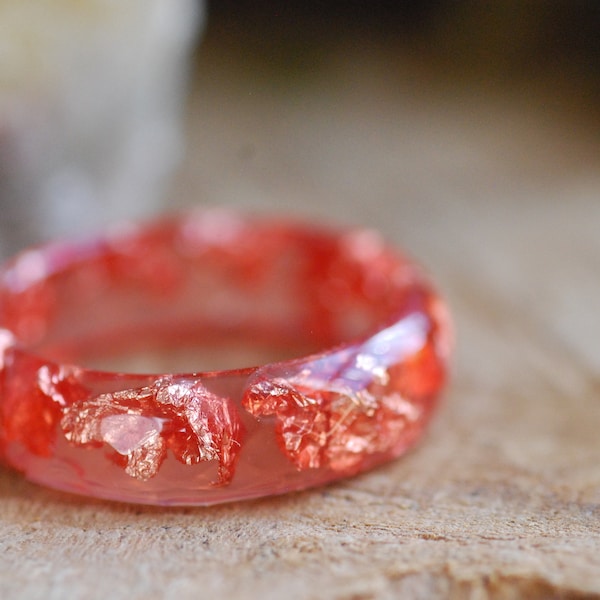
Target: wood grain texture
{"type": "Point", "coordinates": [499, 197]}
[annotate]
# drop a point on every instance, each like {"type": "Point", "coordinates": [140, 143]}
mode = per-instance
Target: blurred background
{"type": "Point", "coordinates": [515, 38]}
{"type": "Point", "coordinates": [376, 112]}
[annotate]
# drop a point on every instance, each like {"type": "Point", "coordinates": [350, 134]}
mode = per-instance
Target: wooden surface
{"type": "Point", "coordinates": [498, 194]}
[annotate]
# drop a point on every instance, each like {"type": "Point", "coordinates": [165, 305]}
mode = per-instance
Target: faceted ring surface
{"type": "Point", "coordinates": [375, 329]}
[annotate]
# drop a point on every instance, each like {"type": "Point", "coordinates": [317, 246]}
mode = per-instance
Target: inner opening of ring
{"type": "Point", "coordinates": [210, 292]}
{"type": "Point", "coordinates": [220, 352]}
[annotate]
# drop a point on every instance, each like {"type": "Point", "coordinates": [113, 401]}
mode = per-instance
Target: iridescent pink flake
{"type": "Point", "coordinates": [344, 410]}
{"type": "Point", "coordinates": [141, 425]}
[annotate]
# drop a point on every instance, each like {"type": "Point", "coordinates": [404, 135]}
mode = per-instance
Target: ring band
{"type": "Point", "coordinates": [377, 331]}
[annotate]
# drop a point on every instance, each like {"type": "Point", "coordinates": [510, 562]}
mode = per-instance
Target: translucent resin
{"type": "Point", "coordinates": [368, 332]}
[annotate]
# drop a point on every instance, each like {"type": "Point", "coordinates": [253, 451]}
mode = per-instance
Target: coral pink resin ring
{"type": "Point", "coordinates": [371, 333]}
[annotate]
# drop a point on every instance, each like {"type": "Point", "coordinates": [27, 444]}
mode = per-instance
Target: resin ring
{"type": "Point", "coordinates": [371, 332]}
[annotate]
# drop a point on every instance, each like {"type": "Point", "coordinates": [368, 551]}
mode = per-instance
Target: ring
{"type": "Point", "coordinates": [358, 341]}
